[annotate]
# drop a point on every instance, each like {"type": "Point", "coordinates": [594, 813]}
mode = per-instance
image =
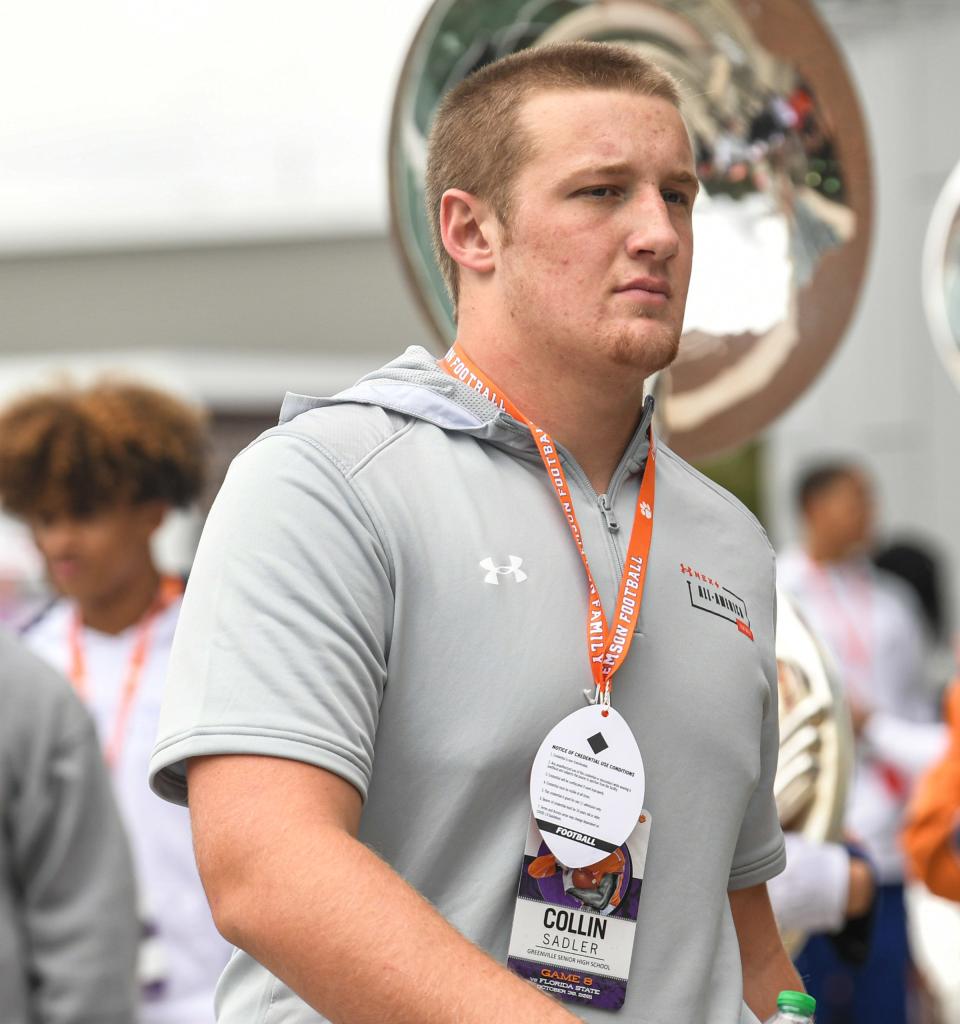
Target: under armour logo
{"type": "Point", "coordinates": [494, 572]}
{"type": "Point", "coordinates": [645, 510]}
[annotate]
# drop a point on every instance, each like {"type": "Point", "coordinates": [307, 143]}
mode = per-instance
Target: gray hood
{"type": "Point", "coordinates": [414, 385]}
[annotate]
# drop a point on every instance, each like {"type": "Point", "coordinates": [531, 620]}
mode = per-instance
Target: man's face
{"type": "Point", "coordinates": [599, 245]}
{"type": "Point", "coordinates": [88, 558]}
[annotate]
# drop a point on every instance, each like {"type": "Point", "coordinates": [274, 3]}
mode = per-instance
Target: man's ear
{"type": "Point", "coordinates": [468, 228]}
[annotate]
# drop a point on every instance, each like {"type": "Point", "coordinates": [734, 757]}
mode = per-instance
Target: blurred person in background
{"type": "Point", "coordinates": [68, 903]}
{"type": "Point", "coordinates": [93, 472]}
{"type": "Point", "coordinates": [931, 836]}
{"type": "Point", "coordinates": [933, 922]}
{"type": "Point", "coordinates": [870, 624]}
{"type": "Point", "coordinates": [931, 840]}
{"type": "Point", "coordinates": [919, 565]}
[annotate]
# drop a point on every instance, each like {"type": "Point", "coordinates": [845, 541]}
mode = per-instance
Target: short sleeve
{"type": "Point", "coordinates": [282, 644]}
{"type": "Point", "coordinates": [760, 852]}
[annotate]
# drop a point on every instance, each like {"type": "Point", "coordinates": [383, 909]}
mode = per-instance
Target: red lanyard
{"type": "Point", "coordinates": [856, 644]}
{"type": "Point", "coordinates": [170, 589]}
{"type": "Point", "coordinates": [858, 650]}
{"type": "Point", "coordinates": [608, 648]}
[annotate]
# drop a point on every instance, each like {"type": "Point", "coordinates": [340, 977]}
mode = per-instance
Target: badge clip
{"type": "Point", "coordinates": [595, 696]}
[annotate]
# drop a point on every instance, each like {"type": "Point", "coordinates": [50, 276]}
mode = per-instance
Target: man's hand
{"type": "Point", "coordinates": [862, 888]}
{"type": "Point", "coordinates": [767, 969]}
{"type": "Point", "coordinates": [269, 835]}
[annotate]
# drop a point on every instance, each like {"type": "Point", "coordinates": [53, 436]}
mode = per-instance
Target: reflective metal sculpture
{"type": "Point", "coordinates": [941, 275]}
{"type": "Point", "coordinates": [783, 222]}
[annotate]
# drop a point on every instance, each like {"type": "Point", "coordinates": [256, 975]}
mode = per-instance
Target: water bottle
{"type": "Point", "coordinates": [793, 1008]}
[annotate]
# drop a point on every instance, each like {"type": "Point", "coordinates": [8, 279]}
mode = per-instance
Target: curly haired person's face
{"type": "Point", "coordinates": [89, 558]}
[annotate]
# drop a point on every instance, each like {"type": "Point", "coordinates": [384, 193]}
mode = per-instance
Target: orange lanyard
{"type": "Point", "coordinates": [607, 647]}
{"type": "Point", "coordinates": [170, 589]}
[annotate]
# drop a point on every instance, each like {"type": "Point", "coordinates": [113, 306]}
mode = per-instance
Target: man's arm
{"type": "Point", "coordinates": [767, 969]}
{"type": "Point", "coordinates": [289, 883]}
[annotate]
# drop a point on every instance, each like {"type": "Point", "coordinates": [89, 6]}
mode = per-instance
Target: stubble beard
{"type": "Point", "coordinates": [643, 353]}
{"type": "Point", "coordinates": [648, 354]}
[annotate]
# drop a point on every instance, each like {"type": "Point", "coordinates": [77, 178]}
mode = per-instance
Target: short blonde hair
{"type": "Point", "coordinates": [476, 142]}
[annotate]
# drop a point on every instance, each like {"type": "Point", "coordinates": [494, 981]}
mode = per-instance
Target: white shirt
{"type": "Point", "coordinates": [190, 952]}
{"type": "Point", "coordinates": [811, 895]}
{"type": "Point", "coordinates": [868, 625]}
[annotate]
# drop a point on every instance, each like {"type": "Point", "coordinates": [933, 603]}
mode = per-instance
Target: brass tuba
{"type": "Point", "coordinates": [782, 227]}
{"type": "Point", "coordinates": [816, 739]}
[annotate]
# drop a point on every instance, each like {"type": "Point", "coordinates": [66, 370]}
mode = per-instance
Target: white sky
{"type": "Point", "coordinates": [139, 120]}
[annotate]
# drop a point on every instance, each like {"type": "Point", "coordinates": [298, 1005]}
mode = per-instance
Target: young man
{"type": "Point", "coordinates": [93, 473]}
{"type": "Point", "coordinates": [388, 613]}
{"type": "Point", "coordinates": [869, 623]}
{"type": "Point", "coordinates": [68, 902]}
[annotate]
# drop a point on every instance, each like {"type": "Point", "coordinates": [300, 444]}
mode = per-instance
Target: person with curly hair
{"type": "Point", "coordinates": [93, 472]}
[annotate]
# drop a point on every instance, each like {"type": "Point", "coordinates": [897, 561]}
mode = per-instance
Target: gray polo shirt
{"type": "Point", "coordinates": [387, 588]}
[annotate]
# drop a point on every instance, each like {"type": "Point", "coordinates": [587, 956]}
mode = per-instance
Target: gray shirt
{"type": "Point", "coordinates": [68, 923]}
{"type": "Point", "coordinates": [343, 611]}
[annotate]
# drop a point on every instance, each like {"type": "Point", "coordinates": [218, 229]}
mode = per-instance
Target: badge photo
{"type": "Point", "coordinates": [573, 928]}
